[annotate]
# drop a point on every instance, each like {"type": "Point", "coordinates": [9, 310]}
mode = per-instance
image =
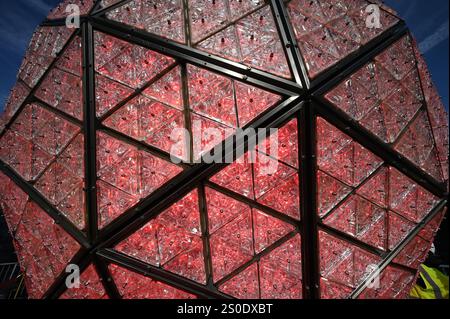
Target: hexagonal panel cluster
{"type": "Point", "coordinates": [88, 162]}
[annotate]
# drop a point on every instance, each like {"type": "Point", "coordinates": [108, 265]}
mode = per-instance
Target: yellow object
{"type": "Point", "coordinates": [436, 284]}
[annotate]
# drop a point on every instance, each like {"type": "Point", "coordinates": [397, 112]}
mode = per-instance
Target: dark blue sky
{"type": "Point", "coordinates": [428, 21]}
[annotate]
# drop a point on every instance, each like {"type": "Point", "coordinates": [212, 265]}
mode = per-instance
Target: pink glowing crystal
{"type": "Point", "coordinates": [238, 229]}
{"type": "Point", "coordinates": [134, 286]}
{"type": "Point", "coordinates": [328, 32]}
{"type": "Point", "coordinates": [171, 241]}
{"type": "Point", "coordinates": [253, 40]}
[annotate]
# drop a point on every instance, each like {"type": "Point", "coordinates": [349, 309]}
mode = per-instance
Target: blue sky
{"type": "Point", "coordinates": [428, 21]}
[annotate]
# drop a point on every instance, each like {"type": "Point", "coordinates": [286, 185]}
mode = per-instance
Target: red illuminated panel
{"type": "Point", "coordinates": [57, 182]}
{"type": "Point", "coordinates": [204, 143]}
{"type": "Point", "coordinates": [286, 143]}
{"type": "Point", "coordinates": [237, 177]}
{"type": "Point", "coordinates": [168, 89]}
{"type": "Point", "coordinates": [270, 182]}
{"type": "Point", "coordinates": [276, 276]}
{"type": "Point", "coordinates": [163, 18]}
{"type": "Point", "coordinates": [394, 283]}
{"type": "Point", "coordinates": [244, 285]}
{"type": "Point", "coordinates": [203, 86]}
{"type": "Point", "coordinates": [418, 145]}
{"type": "Point", "coordinates": [237, 105]}
{"type": "Point", "coordinates": [263, 178]}
{"type": "Point", "coordinates": [112, 202]}
{"type": "Point", "coordinates": [341, 157]}
{"type": "Point", "coordinates": [409, 199]}
{"type": "Point", "coordinates": [63, 182]}
{"type": "Point", "coordinates": [36, 136]}
{"type": "Point", "coordinates": [238, 231]}
{"type": "Point", "coordinates": [147, 120]}
{"type": "Point", "coordinates": [127, 174]}
{"type": "Point", "coordinates": [399, 227]}
{"type": "Point", "coordinates": [381, 207]}
{"type": "Point", "coordinates": [267, 230]}
{"type": "Point", "coordinates": [385, 94]}
{"type": "Point", "coordinates": [269, 173]}
{"type": "Point", "coordinates": [251, 102]}
{"type": "Point", "coordinates": [436, 112]}
{"type": "Point", "coordinates": [153, 115]}
{"type": "Point", "coordinates": [330, 192]}
{"type": "Point", "coordinates": [253, 40]}
{"type": "Point", "coordinates": [284, 197]}
{"type": "Point", "coordinates": [414, 254]}
{"type": "Point", "coordinates": [126, 63]}
{"type": "Point", "coordinates": [361, 219]}
{"type": "Point", "coordinates": [13, 201]}
{"type": "Point", "coordinates": [281, 272]}
{"type": "Point", "coordinates": [385, 97]}
{"type": "Point", "coordinates": [62, 87]}
{"type": "Point", "coordinates": [231, 229]}
{"type": "Point", "coordinates": [134, 286]}
{"type": "Point", "coordinates": [219, 213]}
{"type": "Point", "coordinates": [71, 59]}
{"type": "Point", "coordinates": [232, 245]}
{"type": "Point", "coordinates": [172, 240]}
{"type": "Point", "coordinates": [343, 265]}
{"type": "Point", "coordinates": [18, 95]}
{"type": "Point", "coordinates": [109, 93]}
{"type": "Point", "coordinates": [207, 17]}
{"type": "Point", "coordinates": [416, 251]}
{"type": "Point", "coordinates": [333, 290]}
{"type": "Point", "coordinates": [45, 45]}
{"type": "Point", "coordinates": [44, 249]}
{"type": "Point", "coordinates": [430, 230]}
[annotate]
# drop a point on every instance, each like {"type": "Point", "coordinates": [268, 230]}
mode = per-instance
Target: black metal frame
{"type": "Point", "coordinates": [302, 100]}
{"type": "Point", "coordinates": [308, 198]}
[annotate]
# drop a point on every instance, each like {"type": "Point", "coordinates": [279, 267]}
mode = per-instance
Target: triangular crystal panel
{"type": "Point", "coordinates": [253, 40]}
{"type": "Point", "coordinates": [172, 240]}
{"type": "Point", "coordinates": [129, 64]}
{"type": "Point", "coordinates": [132, 285]}
{"type": "Point", "coordinates": [165, 19]}
{"type": "Point", "coordinates": [327, 31]}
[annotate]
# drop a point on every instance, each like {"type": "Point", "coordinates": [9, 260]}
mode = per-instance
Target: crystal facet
{"type": "Point", "coordinates": [168, 81]}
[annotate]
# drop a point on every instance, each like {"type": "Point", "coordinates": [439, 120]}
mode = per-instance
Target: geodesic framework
{"type": "Point", "coordinates": [87, 178]}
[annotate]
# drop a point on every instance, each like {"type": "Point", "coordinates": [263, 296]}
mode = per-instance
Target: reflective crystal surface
{"type": "Point", "coordinates": [252, 40]}
{"type": "Point", "coordinates": [34, 139]}
{"type": "Point", "coordinates": [127, 174]}
{"type": "Point", "coordinates": [134, 286]}
{"type": "Point", "coordinates": [172, 241]}
{"type": "Point", "coordinates": [328, 31]}
{"type": "Point", "coordinates": [163, 18]}
{"type": "Point", "coordinates": [43, 247]}
{"type": "Point", "coordinates": [172, 80]}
